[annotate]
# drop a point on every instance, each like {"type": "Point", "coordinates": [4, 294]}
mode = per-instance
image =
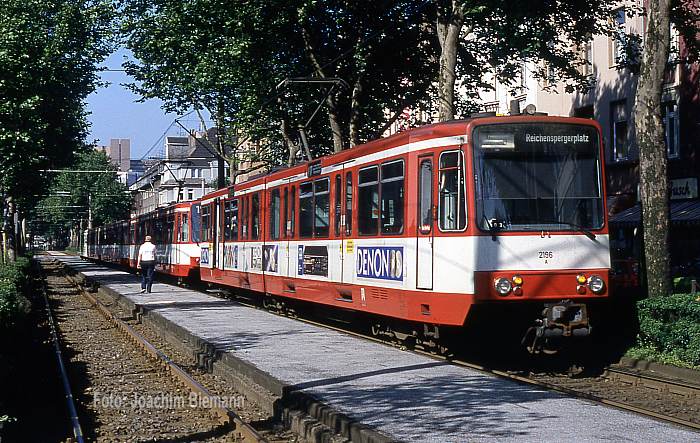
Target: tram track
{"type": "Point", "coordinates": [229, 423]}
{"type": "Point", "coordinates": [680, 388]}
{"type": "Point", "coordinates": [68, 391]}
{"type": "Point", "coordinates": [556, 383]}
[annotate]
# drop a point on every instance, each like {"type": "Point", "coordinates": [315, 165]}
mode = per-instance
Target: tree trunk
{"type": "Point", "coordinates": [449, 26]}
{"type": "Point", "coordinates": [652, 148]}
{"type": "Point", "coordinates": [330, 101]}
{"type": "Point", "coordinates": [292, 148]}
{"type": "Point", "coordinates": [10, 228]}
{"type": "Point", "coordinates": [354, 133]}
{"type": "Point", "coordinates": [335, 124]}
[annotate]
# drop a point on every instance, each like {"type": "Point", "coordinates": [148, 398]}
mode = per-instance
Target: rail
{"type": "Point", "coordinates": [244, 431]}
{"type": "Point", "coordinates": [70, 402]}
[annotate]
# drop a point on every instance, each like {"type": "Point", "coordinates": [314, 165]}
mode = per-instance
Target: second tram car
{"type": "Point", "coordinates": [175, 230]}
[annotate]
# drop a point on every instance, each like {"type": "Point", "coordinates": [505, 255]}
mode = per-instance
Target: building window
{"type": "Point", "coordinates": [452, 203]}
{"type": "Point", "coordinates": [670, 117]}
{"type": "Point", "coordinates": [275, 215]}
{"type": "Point", "coordinates": [619, 130]}
{"type": "Point", "coordinates": [190, 194]}
{"type": "Point", "coordinates": [619, 38]}
{"type": "Point", "coordinates": [587, 68]}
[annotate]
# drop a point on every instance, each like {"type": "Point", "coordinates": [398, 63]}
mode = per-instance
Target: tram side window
{"type": "Point", "coordinates": [348, 203]}
{"type": "Point", "coordinates": [285, 211]}
{"type": "Point", "coordinates": [244, 217]}
{"type": "Point", "coordinates": [255, 216]}
{"type": "Point", "coordinates": [196, 222]}
{"type": "Point", "coordinates": [227, 219]}
{"type": "Point", "coordinates": [306, 209]}
{"type": "Point", "coordinates": [425, 208]}
{"type": "Point", "coordinates": [392, 192]}
{"type": "Point", "coordinates": [322, 204]}
{"type": "Point", "coordinates": [206, 222]}
{"type": "Point", "coordinates": [338, 198]}
{"type": "Point", "coordinates": [292, 212]}
{"type": "Point", "coordinates": [169, 228]}
{"type": "Point", "coordinates": [184, 230]}
{"type": "Point", "coordinates": [452, 210]}
{"type": "Point", "coordinates": [234, 220]}
{"type": "Point", "coordinates": [368, 201]}
{"type": "Point", "coordinates": [275, 214]}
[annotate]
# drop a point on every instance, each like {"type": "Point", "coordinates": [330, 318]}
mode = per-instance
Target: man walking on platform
{"type": "Point", "coordinates": [146, 262]}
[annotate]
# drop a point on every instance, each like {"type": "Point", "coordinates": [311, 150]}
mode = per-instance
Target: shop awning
{"type": "Point", "coordinates": [682, 212]}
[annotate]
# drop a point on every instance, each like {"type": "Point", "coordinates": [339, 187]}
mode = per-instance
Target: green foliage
{"type": "Point", "coordinates": [49, 52]}
{"type": "Point", "coordinates": [13, 284]}
{"type": "Point", "coordinates": [682, 285]}
{"type": "Point", "coordinates": [72, 193]}
{"type": "Point", "coordinates": [670, 327]}
{"type": "Point", "coordinates": [202, 53]}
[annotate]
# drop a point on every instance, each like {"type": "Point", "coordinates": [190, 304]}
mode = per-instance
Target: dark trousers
{"type": "Point", "coordinates": [148, 268]}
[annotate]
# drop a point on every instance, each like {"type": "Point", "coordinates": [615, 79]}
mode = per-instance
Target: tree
{"type": "Point", "coordinates": [78, 198]}
{"type": "Point", "coordinates": [479, 37]}
{"type": "Point", "coordinates": [380, 48]}
{"type": "Point", "coordinates": [653, 176]}
{"type": "Point", "coordinates": [49, 53]}
{"type": "Point", "coordinates": [203, 55]}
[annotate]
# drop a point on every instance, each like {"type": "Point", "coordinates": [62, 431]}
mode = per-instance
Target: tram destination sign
{"type": "Point", "coordinates": [534, 137]}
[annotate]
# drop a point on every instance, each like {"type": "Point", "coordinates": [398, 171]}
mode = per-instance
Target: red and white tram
{"type": "Point", "coordinates": [426, 224]}
{"type": "Point", "coordinates": [175, 231]}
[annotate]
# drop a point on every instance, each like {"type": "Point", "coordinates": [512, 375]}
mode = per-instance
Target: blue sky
{"type": "Point", "coordinates": [115, 113]}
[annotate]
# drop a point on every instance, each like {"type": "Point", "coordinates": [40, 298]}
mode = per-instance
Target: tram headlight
{"type": "Point", "coordinates": [503, 286]}
{"type": "Point", "coordinates": [596, 284]}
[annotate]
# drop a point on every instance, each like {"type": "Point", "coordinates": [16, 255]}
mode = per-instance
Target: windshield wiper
{"type": "Point", "coordinates": [578, 228]}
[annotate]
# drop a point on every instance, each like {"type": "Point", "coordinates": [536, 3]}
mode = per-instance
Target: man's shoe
{"type": "Point", "coordinates": [143, 291]}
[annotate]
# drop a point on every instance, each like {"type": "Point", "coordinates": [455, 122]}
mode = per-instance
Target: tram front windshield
{"type": "Point", "coordinates": [537, 177]}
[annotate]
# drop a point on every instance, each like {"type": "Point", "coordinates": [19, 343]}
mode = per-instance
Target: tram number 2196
{"type": "Point", "coordinates": [546, 254]}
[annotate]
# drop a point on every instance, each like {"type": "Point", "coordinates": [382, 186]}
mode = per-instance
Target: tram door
{"type": "Point", "coordinates": [216, 219]}
{"type": "Point", "coordinates": [425, 230]}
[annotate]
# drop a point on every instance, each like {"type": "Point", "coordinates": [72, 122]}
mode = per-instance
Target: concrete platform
{"type": "Point", "coordinates": [368, 391]}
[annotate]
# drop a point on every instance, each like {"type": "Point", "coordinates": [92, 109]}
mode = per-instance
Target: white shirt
{"type": "Point", "coordinates": [147, 252]}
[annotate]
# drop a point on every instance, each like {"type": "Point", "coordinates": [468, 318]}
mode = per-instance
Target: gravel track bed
{"type": "Point", "coordinates": [122, 395]}
{"type": "Point", "coordinates": [669, 404]}
{"type": "Point", "coordinates": [218, 386]}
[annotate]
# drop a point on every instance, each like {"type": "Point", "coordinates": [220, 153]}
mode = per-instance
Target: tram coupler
{"type": "Point", "coordinates": [562, 319]}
